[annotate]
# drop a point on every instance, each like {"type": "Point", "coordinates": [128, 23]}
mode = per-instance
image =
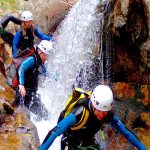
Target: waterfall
{"type": "Point", "coordinates": [77, 45]}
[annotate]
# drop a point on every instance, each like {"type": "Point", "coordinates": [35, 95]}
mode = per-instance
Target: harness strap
{"type": "Point", "coordinates": [30, 53]}
{"type": "Point", "coordinates": [82, 121]}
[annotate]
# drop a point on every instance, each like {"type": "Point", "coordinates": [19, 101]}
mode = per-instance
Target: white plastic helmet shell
{"type": "Point", "coordinates": [46, 46]}
{"type": "Point", "coordinates": [26, 16]}
{"type": "Point", "coordinates": [102, 98]}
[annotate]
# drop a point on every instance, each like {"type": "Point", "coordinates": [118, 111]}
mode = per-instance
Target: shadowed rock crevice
{"type": "Point", "coordinates": [130, 28]}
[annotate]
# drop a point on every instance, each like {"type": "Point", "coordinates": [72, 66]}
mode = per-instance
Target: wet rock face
{"type": "Point", "coordinates": [2, 57]}
{"type": "Point", "coordinates": [139, 125]}
{"type": "Point", "coordinates": [131, 67]}
{"type": "Point", "coordinates": [16, 130]}
{"type": "Point", "coordinates": [126, 91]}
{"type": "Point", "coordinates": [131, 41]}
{"type": "Point", "coordinates": [6, 92]}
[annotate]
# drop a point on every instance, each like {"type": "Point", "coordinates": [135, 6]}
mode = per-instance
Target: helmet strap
{"type": "Point", "coordinates": [92, 107]}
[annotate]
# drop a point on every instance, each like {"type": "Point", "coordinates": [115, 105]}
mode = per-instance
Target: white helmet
{"type": "Point", "coordinates": [26, 16]}
{"type": "Point", "coordinates": [45, 46]}
{"type": "Point", "coordinates": [102, 98]}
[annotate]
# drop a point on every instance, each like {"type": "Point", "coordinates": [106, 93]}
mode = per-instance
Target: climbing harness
{"type": "Point", "coordinates": [13, 77]}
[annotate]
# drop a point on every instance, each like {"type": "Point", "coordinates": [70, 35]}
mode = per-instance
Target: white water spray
{"type": "Point", "coordinates": [71, 62]}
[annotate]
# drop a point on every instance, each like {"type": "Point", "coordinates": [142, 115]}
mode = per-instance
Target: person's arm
{"type": "Point", "coordinates": [26, 64]}
{"type": "Point", "coordinates": [41, 35]}
{"type": "Point", "coordinates": [7, 18]}
{"type": "Point", "coordinates": [118, 125]}
{"type": "Point", "coordinates": [61, 127]}
{"type": "Point", "coordinates": [16, 40]}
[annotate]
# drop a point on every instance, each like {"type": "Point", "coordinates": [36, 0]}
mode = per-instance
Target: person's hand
{"type": "Point", "coordinates": [22, 90]}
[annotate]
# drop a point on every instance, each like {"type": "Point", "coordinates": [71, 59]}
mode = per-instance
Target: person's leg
{"type": "Point", "coordinates": [34, 104]}
{"type": "Point", "coordinates": [16, 103]}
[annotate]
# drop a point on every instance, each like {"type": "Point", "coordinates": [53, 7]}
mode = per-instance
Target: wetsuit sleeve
{"type": "Point", "coordinates": [7, 18]}
{"type": "Point", "coordinates": [118, 125]}
{"type": "Point", "coordinates": [61, 127]}
{"type": "Point", "coordinates": [41, 35]}
{"type": "Point", "coordinates": [16, 41]}
{"type": "Point", "coordinates": [25, 65]}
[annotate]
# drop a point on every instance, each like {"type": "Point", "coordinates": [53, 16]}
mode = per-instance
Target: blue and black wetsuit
{"type": "Point", "coordinates": [28, 72]}
{"type": "Point", "coordinates": [84, 136]}
{"type": "Point", "coordinates": [22, 42]}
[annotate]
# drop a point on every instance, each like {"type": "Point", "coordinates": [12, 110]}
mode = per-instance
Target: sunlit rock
{"type": "Point", "coordinates": [6, 92]}
{"type": "Point", "coordinates": [9, 141]}
{"type": "Point", "coordinates": [18, 132]}
{"type": "Point", "coordinates": [123, 91]}
{"type": "Point", "coordinates": [126, 91]}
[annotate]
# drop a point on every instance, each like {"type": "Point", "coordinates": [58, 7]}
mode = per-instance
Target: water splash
{"type": "Point", "coordinates": [76, 47]}
{"type": "Point", "coordinates": [72, 60]}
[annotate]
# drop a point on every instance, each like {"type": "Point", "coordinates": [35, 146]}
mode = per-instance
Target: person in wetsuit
{"type": "Point", "coordinates": [85, 119]}
{"type": "Point", "coordinates": [27, 75]}
{"type": "Point", "coordinates": [24, 38]}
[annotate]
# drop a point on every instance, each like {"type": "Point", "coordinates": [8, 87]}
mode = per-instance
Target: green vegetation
{"type": "Point", "coordinates": [9, 4]}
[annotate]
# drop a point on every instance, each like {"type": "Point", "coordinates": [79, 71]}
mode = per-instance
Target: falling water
{"type": "Point", "coordinates": [72, 60]}
{"type": "Point", "coordinates": [77, 45]}
{"type": "Point", "coordinates": [104, 58]}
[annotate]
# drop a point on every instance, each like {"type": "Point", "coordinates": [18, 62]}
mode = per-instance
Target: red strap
{"type": "Point", "coordinates": [31, 52]}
